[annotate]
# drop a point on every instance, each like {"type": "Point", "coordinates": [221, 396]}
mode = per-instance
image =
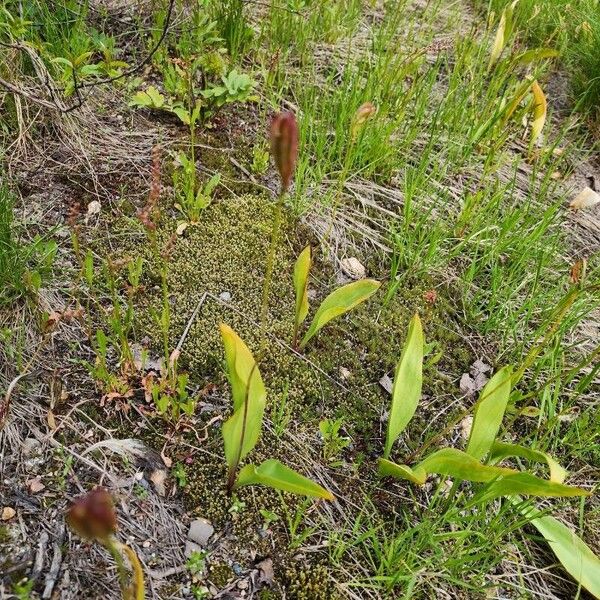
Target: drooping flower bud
{"type": "Point", "coordinates": [284, 146]}
{"type": "Point", "coordinates": [361, 116]}
{"type": "Point", "coordinates": [93, 516]}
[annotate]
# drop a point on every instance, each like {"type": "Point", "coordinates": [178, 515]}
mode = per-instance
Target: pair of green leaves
{"type": "Point", "coordinates": [242, 430]}
{"type": "Point", "coordinates": [339, 302]}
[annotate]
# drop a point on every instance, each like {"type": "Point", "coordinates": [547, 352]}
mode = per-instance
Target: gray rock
{"type": "Point", "coordinates": [201, 531]}
{"type": "Point", "coordinates": [191, 547]}
{"type": "Point", "coordinates": [225, 296]}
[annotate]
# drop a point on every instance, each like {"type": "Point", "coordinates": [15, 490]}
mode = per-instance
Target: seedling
{"type": "Point", "coordinates": [339, 302]}
{"type": "Point", "coordinates": [242, 430]}
{"type": "Point", "coordinates": [333, 442]}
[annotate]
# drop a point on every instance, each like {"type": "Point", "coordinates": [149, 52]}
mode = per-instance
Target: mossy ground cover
{"type": "Point", "coordinates": [338, 376]}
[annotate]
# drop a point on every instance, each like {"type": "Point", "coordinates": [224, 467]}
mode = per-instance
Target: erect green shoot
{"type": "Point", "coordinates": [572, 552]}
{"type": "Point", "coordinates": [241, 431]}
{"type": "Point", "coordinates": [276, 475]}
{"type": "Point", "coordinates": [488, 414]}
{"type": "Point", "coordinates": [301, 273]}
{"type": "Point", "coordinates": [340, 301]}
{"type": "Point", "coordinates": [408, 381]}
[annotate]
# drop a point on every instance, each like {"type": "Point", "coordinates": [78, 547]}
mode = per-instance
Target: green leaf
{"type": "Point", "coordinates": [447, 461]}
{"type": "Point", "coordinates": [149, 98]}
{"type": "Point", "coordinates": [408, 381]}
{"type": "Point", "coordinates": [501, 450]}
{"type": "Point", "coordinates": [339, 302]}
{"type": "Point", "coordinates": [572, 552]}
{"type": "Point", "coordinates": [536, 55]}
{"type": "Point", "coordinates": [387, 468]}
{"type": "Point", "coordinates": [276, 475]}
{"type": "Point", "coordinates": [211, 184]}
{"type": "Point", "coordinates": [489, 412]}
{"type": "Point", "coordinates": [182, 113]}
{"type": "Point", "coordinates": [241, 431]}
{"type": "Point", "coordinates": [529, 485]}
{"type": "Point", "coordinates": [301, 272]}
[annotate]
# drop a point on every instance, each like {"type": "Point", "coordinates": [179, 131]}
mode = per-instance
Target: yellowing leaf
{"type": "Point", "coordinates": [447, 461]}
{"type": "Point", "coordinates": [585, 199]}
{"type": "Point", "coordinates": [242, 429]}
{"type": "Point", "coordinates": [502, 33]}
{"type": "Point", "coordinates": [500, 451]}
{"type": "Point", "coordinates": [339, 302]}
{"type": "Point", "coordinates": [408, 381]}
{"type": "Point", "coordinates": [489, 412]}
{"type": "Point", "coordinates": [572, 552]}
{"type": "Point", "coordinates": [540, 108]}
{"type": "Point", "coordinates": [529, 485]}
{"type": "Point", "coordinates": [276, 475]}
{"type": "Point", "coordinates": [301, 272]}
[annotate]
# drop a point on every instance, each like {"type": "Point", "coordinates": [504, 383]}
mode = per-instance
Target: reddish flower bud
{"type": "Point", "coordinates": [284, 146]}
{"type": "Point", "coordinates": [93, 516]}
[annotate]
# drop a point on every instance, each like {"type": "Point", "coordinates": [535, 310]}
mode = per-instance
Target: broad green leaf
{"type": "Point", "coordinates": [408, 381]}
{"type": "Point", "coordinates": [301, 272]}
{"type": "Point", "coordinates": [447, 461]}
{"type": "Point", "coordinates": [572, 552]}
{"type": "Point", "coordinates": [536, 55]}
{"type": "Point", "coordinates": [241, 431]}
{"type": "Point", "coordinates": [339, 302]}
{"type": "Point", "coordinates": [182, 113]}
{"type": "Point", "coordinates": [489, 412]}
{"type": "Point", "coordinates": [276, 475]}
{"type": "Point", "coordinates": [529, 485]}
{"type": "Point", "coordinates": [501, 450]}
{"type": "Point", "coordinates": [540, 108]}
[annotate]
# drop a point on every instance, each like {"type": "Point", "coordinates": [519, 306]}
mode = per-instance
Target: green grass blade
{"type": "Point", "coordinates": [242, 430]}
{"type": "Point", "coordinates": [526, 484]}
{"type": "Point", "coordinates": [301, 272]}
{"type": "Point", "coordinates": [408, 381]}
{"type": "Point", "coordinates": [339, 302]}
{"type": "Point", "coordinates": [276, 475]}
{"type": "Point", "coordinates": [489, 412]}
{"type": "Point", "coordinates": [573, 553]}
{"type": "Point", "coordinates": [501, 450]}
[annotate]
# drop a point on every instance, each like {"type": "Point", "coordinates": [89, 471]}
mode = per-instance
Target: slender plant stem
{"type": "Point", "coordinates": [114, 548]}
{"type": "Point", "coordinates": [138, 572]}
{"type": "Point", "coordinates": [264, 307]}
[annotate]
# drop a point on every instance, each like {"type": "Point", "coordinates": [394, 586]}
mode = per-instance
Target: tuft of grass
{"type": "Point", "coordinates": [23, 265]}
